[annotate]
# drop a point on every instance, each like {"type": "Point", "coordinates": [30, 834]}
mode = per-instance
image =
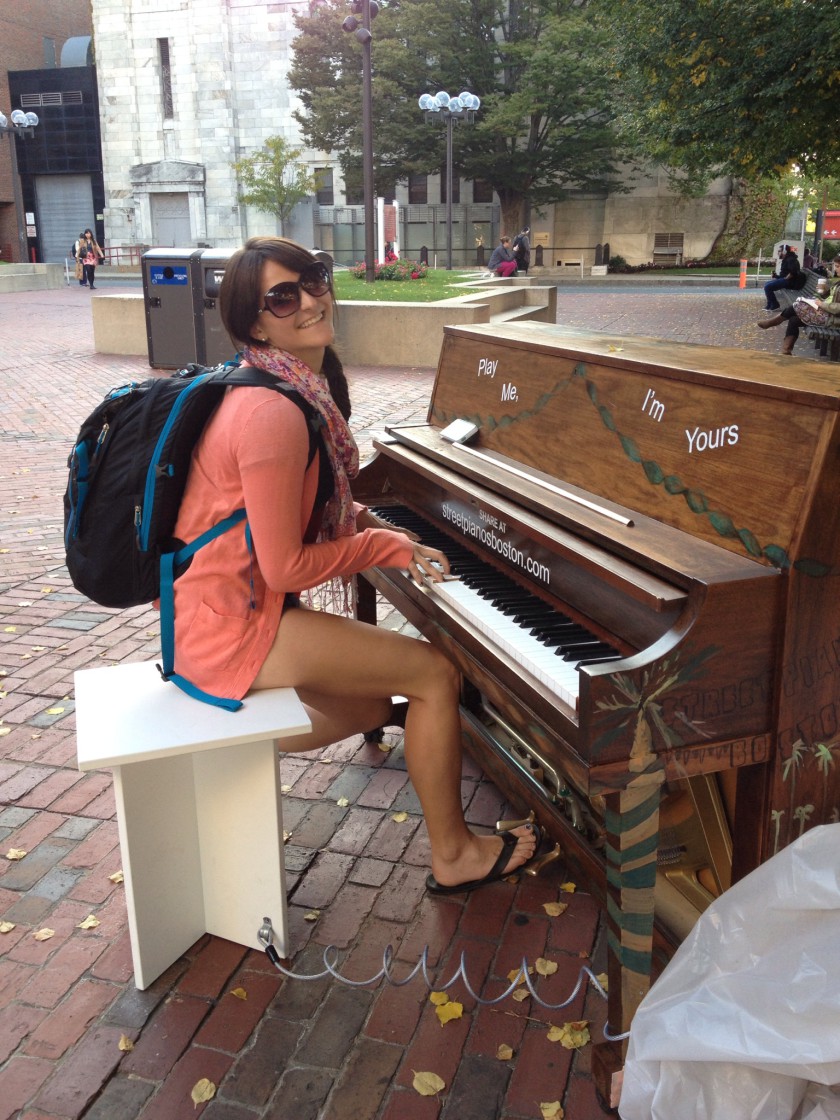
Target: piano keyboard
{"type": "Point", "coordinates": [546, 643]}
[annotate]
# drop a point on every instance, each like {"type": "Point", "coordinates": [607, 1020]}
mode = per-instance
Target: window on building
{"type": "Point", "coordinates": [49, 53]}
{"type": "Point", "coordinates": [456, 185]}
{"type": "Point", "coordinates": [354, 188]}
{"type": "Point", "coordinates": [324, 191]}
{"type": "Point", "coordinates": [418, 190]}
{"type": "Point", "coordinates": [482, 191]}
{"type": "Point", "coordinates": [165, 80]}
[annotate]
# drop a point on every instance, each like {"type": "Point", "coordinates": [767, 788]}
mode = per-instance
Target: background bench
{"type": "Point", "coordinates": [788, 296]}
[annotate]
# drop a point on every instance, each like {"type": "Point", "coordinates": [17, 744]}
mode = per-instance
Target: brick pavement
{"type": "Point", "coordinates": [291, 1049]}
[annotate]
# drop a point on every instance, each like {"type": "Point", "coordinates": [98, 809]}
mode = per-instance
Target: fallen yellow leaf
{"type": "Point", "coordinates": [10, 629]}
{"type": "Point", "coordinates": [399, 817]}
{"type": "Point", "coordinates": [125, 1043]}
{"type": "Point", "coordinates": [44, 934]}
{"type": "Point", "coordinates": [202, 1091]}
{"type": "Point", "coordinates": [342, 803]}
{"type": "Point", "coordinates": [240, 993]}
{"type": "Point", "coordinates": [438, 998]}
{"type": "Point", "coordinates": [446, 1012]}
{"type": "Point", "coordinates": [569, 888]}
{"type": "Point", "coordinates": [312, 915]}
{"type": "Point", "coordinates": [6, 927]}
{"type": "Point", "coordinates": [555, 909]}
{"type": "Point", "coordinates": [286, 789]}
{"type": "Point", "coordinates": [517, 972]}
{"type": "Point", "coordinates": [520, 995]}
{"type": "Point", "coordinates": [89, 923]}
{"type": "Point", "coordinates": [552, 1111]}
{"type": "Point", "coordinates": [428, 1084]}
{"type": "Point", "coordinates": [117, 877]}
{"type": "Point", "coordinates": [5, 730]}
{"type": "Point", "coordinates": [571, 1035]}
{"type": "Point", "coordinates": [54, 711]}
{"type": "Point", "coordinates": [544, 967]}
{"type": "Point", "coordinates": [603, 980]}
{"type": "Point", "coordinates": [504, 1052]}
{"type": "Point", "coordinates": [15, 853]}
{"type": "Point", "coordinates": [385, 747]}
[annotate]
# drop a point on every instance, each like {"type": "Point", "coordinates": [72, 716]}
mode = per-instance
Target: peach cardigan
{"type": "Point", "coordinates": [253, 452]}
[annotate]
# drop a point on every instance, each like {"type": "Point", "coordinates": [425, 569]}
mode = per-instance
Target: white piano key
{"type": "Point", "coordinates": [556, 674]}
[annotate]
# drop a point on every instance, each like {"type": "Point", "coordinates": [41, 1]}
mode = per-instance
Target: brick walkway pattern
{"type": "Point", "coordinates": [290, 1050]}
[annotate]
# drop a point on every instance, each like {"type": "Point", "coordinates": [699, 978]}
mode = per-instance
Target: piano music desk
{"type": "Point", "coordinates": [198, 807]}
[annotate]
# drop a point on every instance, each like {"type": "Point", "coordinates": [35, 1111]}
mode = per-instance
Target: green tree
{"type": "Point", "coordinates": [273, 180]}
{"type": "Point", "coordinates": [545, 126]}
{"type": "Point", "coordinates": [746, 88]}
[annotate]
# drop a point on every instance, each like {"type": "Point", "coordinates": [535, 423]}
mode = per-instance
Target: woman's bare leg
{"type": "Point", "coordinates": [346, 671]}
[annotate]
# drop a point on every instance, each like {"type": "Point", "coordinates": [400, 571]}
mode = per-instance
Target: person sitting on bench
{"type": "Point", "coordinates": [502, 261]}
{"type": "Point", "coordinates": [240, 623]}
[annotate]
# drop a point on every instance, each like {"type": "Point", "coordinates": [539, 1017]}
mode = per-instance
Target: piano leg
{"type": "Point", "coordinates": [632, 827]}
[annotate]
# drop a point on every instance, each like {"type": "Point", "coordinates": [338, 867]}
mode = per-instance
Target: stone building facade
{"type": "Point", "coordinates": [186, 89]}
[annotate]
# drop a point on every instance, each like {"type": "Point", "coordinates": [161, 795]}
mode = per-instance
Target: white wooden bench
{"type": "Point", "coordinates": [198, 808]}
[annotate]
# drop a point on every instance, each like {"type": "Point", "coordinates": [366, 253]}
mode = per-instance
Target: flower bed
{"type": "Point", "coordinates": [392, 270]}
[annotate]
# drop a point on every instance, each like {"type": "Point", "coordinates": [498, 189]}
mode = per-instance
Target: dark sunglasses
{"type": "Point", "coordinates": [284, 299]}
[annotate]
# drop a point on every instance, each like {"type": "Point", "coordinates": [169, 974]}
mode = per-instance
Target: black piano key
{"type": "Point", "coordinates": [596, 660]}
{"type": "Point", "coordinates": [582, 649]}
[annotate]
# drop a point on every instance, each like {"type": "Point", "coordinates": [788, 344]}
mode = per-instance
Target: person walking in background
{"type": "Point", "coordinates": [90, 254]}
{"type": "Point", "coordinates": [80, 268]}
{"type": "Point", "coordinates": [522, 249]}
{"type": "Point", "coordinates": [790, 276]}
{"type": "Point", "coordinates": [502, 260]}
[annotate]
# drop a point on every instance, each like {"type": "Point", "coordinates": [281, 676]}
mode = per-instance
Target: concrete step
{"type": "Point", "coordinates": [525, 311]}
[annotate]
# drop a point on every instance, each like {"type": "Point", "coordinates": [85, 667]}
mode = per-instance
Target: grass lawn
{"type": "Point", "coordinates": [437, 284]}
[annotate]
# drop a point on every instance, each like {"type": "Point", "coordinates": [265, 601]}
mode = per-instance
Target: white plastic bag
{"type": "Point", "coordinates": [747, 1013]}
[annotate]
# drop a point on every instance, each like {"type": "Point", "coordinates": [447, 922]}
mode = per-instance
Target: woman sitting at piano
{"type": "Point", "coordinates": [239, 620]}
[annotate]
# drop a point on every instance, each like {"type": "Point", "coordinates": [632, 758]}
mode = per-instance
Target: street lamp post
{"type": "Point", "coordinates": [22, 124]}
{"type": "Point", "coordinates": [449, 109]}
{"type": "Point", "coordinates": [367, 9]}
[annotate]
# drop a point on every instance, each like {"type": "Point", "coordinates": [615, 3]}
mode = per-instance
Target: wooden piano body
{"type": "Point", "coordinates": [681, 502]}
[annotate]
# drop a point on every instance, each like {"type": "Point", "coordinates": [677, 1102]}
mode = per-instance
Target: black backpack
{"type": "Point", "coordinates": [127, 473]}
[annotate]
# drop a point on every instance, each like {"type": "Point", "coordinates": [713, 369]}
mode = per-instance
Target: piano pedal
{"type": "Point", "coordinates": [539, 862]}
{"type": "Point", "coordinates": [509, 826]}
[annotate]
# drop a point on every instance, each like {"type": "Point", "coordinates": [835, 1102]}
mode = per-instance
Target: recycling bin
{"type": "Point", "coordinates": [213, 345]}
{"type": "Point", "coordinates": [171, 313]}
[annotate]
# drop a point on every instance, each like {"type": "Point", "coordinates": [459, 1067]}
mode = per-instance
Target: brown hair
{"type": "Point", "coordinates": [241, 292]}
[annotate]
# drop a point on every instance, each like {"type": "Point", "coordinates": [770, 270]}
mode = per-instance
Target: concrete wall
{"type": "Point", "coordinates": [628, 222]}
{"type": "Point", "coordinates": [30, 277]}
{"type": "Point", "coordinates": [367, 333]}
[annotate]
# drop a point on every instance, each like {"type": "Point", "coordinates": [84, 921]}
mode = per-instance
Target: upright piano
{"type": "Point", "coordinates": [647, 620]}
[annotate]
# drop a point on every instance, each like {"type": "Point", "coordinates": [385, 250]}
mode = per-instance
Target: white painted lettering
{"type": "Point", "coordinates": [509, 392]}
{"type": "Point", "coordinates": [712, 439]}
